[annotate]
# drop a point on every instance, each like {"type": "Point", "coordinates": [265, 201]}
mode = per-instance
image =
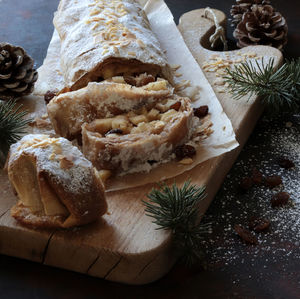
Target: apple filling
{"type": "Point", "coordinates": [69, 111]}
{"type": "Point", "coordinates": [143, 120]}
{"type": "Point", "coordinates": [127, 142]}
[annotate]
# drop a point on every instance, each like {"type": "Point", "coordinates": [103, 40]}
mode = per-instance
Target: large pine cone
{"type": "Point", "coordinates": [242, 6]}
{"type": "Point", "coordinates": [17, 76]}
{"type": "Point", "coordinates": [261, 26]}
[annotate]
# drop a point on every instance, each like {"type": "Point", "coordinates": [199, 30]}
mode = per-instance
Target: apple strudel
{"type": "Point", "coordinates": [105, 38]}
{"type": "Point", "coordinates": [56, 185]}
{"type": "Point", "coordinates": [69, 111]}
{"type": "Point", "coordinates": [134, 141]}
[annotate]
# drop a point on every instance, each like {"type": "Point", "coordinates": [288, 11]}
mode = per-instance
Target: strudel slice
{"type": "Point", "coordinates": [56, 185]}
{"type": "Point", "coordinates": [133, 141]}
{"type": "Point", "coordinates": [69, 111]}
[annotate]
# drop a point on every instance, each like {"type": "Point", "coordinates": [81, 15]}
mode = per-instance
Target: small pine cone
{"type": "Point", "coordinates": [242, 6]}
{"type": "Point", "coordinates": [17, 75]}
{"type": "Point", "coordinates": [262, 26]}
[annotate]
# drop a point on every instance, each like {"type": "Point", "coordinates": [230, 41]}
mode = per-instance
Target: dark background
{"type": "Point", "coordinates": [232, 269]}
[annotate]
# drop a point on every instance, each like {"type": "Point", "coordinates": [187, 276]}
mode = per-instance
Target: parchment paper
{"type": "Point", "coordinates": [222, 139]}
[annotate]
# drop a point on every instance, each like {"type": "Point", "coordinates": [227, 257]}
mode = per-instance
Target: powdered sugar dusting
{"type": "Point", "coordinates": [278, 247]}
{"type": "Point", "coordinates": [49, 153]}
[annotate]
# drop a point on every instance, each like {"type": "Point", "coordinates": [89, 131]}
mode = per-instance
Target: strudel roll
{"type": "Point", "coordinates": [56, 185]}
{"type": "Point", "coordinates": [69, 111]}
{"type": "Point", "coordinates": [105, 38]}
{"type": "Point", "coordinates": [132, 142]}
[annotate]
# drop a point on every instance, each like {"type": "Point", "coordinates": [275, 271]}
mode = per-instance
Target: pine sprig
{"type": "Point", "coordinates": [278, 88]}
{"type": "Point", "coordinates": [12, 124]}
{"type": "Point", "coordinates": [177, 209]}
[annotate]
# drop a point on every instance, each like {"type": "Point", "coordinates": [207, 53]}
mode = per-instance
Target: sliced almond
{"type": "Point", "coordinates": [186, 161]}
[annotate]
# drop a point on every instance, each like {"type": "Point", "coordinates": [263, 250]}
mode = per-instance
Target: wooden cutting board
{"type": "Point", "coordinates": [125, 246]}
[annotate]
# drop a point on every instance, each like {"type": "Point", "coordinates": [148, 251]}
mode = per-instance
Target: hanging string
{"type": "Point", "coordinates": [219, 32]}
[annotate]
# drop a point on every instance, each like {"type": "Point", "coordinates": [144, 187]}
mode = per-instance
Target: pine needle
{"type": "Point", "coordinates": [177, 209]}
{"type": "Point", "coordinates": [12, 124]}
{"type": "Point", "coordinates": [278, 88]}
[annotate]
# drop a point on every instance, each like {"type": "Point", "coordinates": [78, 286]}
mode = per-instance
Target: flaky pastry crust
{"type": "Point", "coordinates": [105, 38]}
{"type": "Point", "coordinates": [56, 185]}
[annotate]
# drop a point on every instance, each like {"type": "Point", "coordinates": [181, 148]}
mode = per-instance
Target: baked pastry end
{"type": "Point", "coordinates": [56, 185]}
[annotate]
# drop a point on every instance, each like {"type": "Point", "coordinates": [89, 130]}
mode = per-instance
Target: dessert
{"type": "Point", "coordinates": [69, 111]}
{"type": "Point", "coordinates": [136, 140]}
{"type": "Point", "coordinates": [56, 185]}
{"type": "Point", "coordinates": [101, 39]}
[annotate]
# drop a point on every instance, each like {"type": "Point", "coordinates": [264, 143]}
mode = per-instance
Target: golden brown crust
{"type": "Point", "coordinates": [24, 215]}
{"type": "Point", "coordinates": [83, 207]}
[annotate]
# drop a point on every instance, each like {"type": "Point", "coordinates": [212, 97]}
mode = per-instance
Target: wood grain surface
{"type": "Point", "coordinates": [125, 246]}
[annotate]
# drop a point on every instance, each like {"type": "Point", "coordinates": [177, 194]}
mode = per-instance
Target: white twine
{"type": "Point", "coordinates": [219, 32]}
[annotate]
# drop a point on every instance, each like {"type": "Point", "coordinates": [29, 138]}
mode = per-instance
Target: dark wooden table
{"type": "Point", "coordinates": [270, 269]}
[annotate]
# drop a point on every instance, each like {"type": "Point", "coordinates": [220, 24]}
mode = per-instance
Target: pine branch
{"type": "Point", "coordinates": [12, 124]}
{"type": "Point", "coordinates": [278, 89]}
{"type": "Point", "coordinates": [177, 209]}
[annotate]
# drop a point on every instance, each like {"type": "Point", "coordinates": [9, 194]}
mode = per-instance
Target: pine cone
{"type": "Point", "coordinates": [17, 76]}
{"type": "Point", "coordinates": [261, 26]}
{"type": "Point", "coordinates": [241, 7]}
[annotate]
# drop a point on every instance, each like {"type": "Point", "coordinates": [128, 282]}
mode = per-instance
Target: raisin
{"type": "Point", "coordinates": [273, 181]}
{"type": "Point", "coordinates": [139, 81]}
{"type": "Point", "coordinates": [130, 80]}
{"type": "Point", "coordinates": [151, 162]}
{"type": "Point", "coordinates": [245, 234]}
{"type": "Point", "coordinates": [114, 131]}
{"type": "Point", "coordinates": [201, 111]}
{"type": "Point", "coordinates": [145, 80]}
{"type": "Point", "coordinates": [280, 199]}
{"type": "Point", "coordinates": [48, 96]}
{"type": "Point", "coordinates": [185, 150]}
{"type": "Point", "coordinates": [176, 106]}
{"type": "Point", "coordinates": [286, 163]}
{"type": "Point", "coordinates": [246, 183]}
{"type": "Point", "coordinates": [257, 176]}
{"type": "Point", "coordinates": [79, 139]}
{"type": "Point", "coordinates": [259, 224]}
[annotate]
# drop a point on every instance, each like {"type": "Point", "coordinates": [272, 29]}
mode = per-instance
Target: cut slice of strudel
{"type": "Point", "coordinates": [134, 141]}
{"type": "Point", "coordinates": [70, 110]}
